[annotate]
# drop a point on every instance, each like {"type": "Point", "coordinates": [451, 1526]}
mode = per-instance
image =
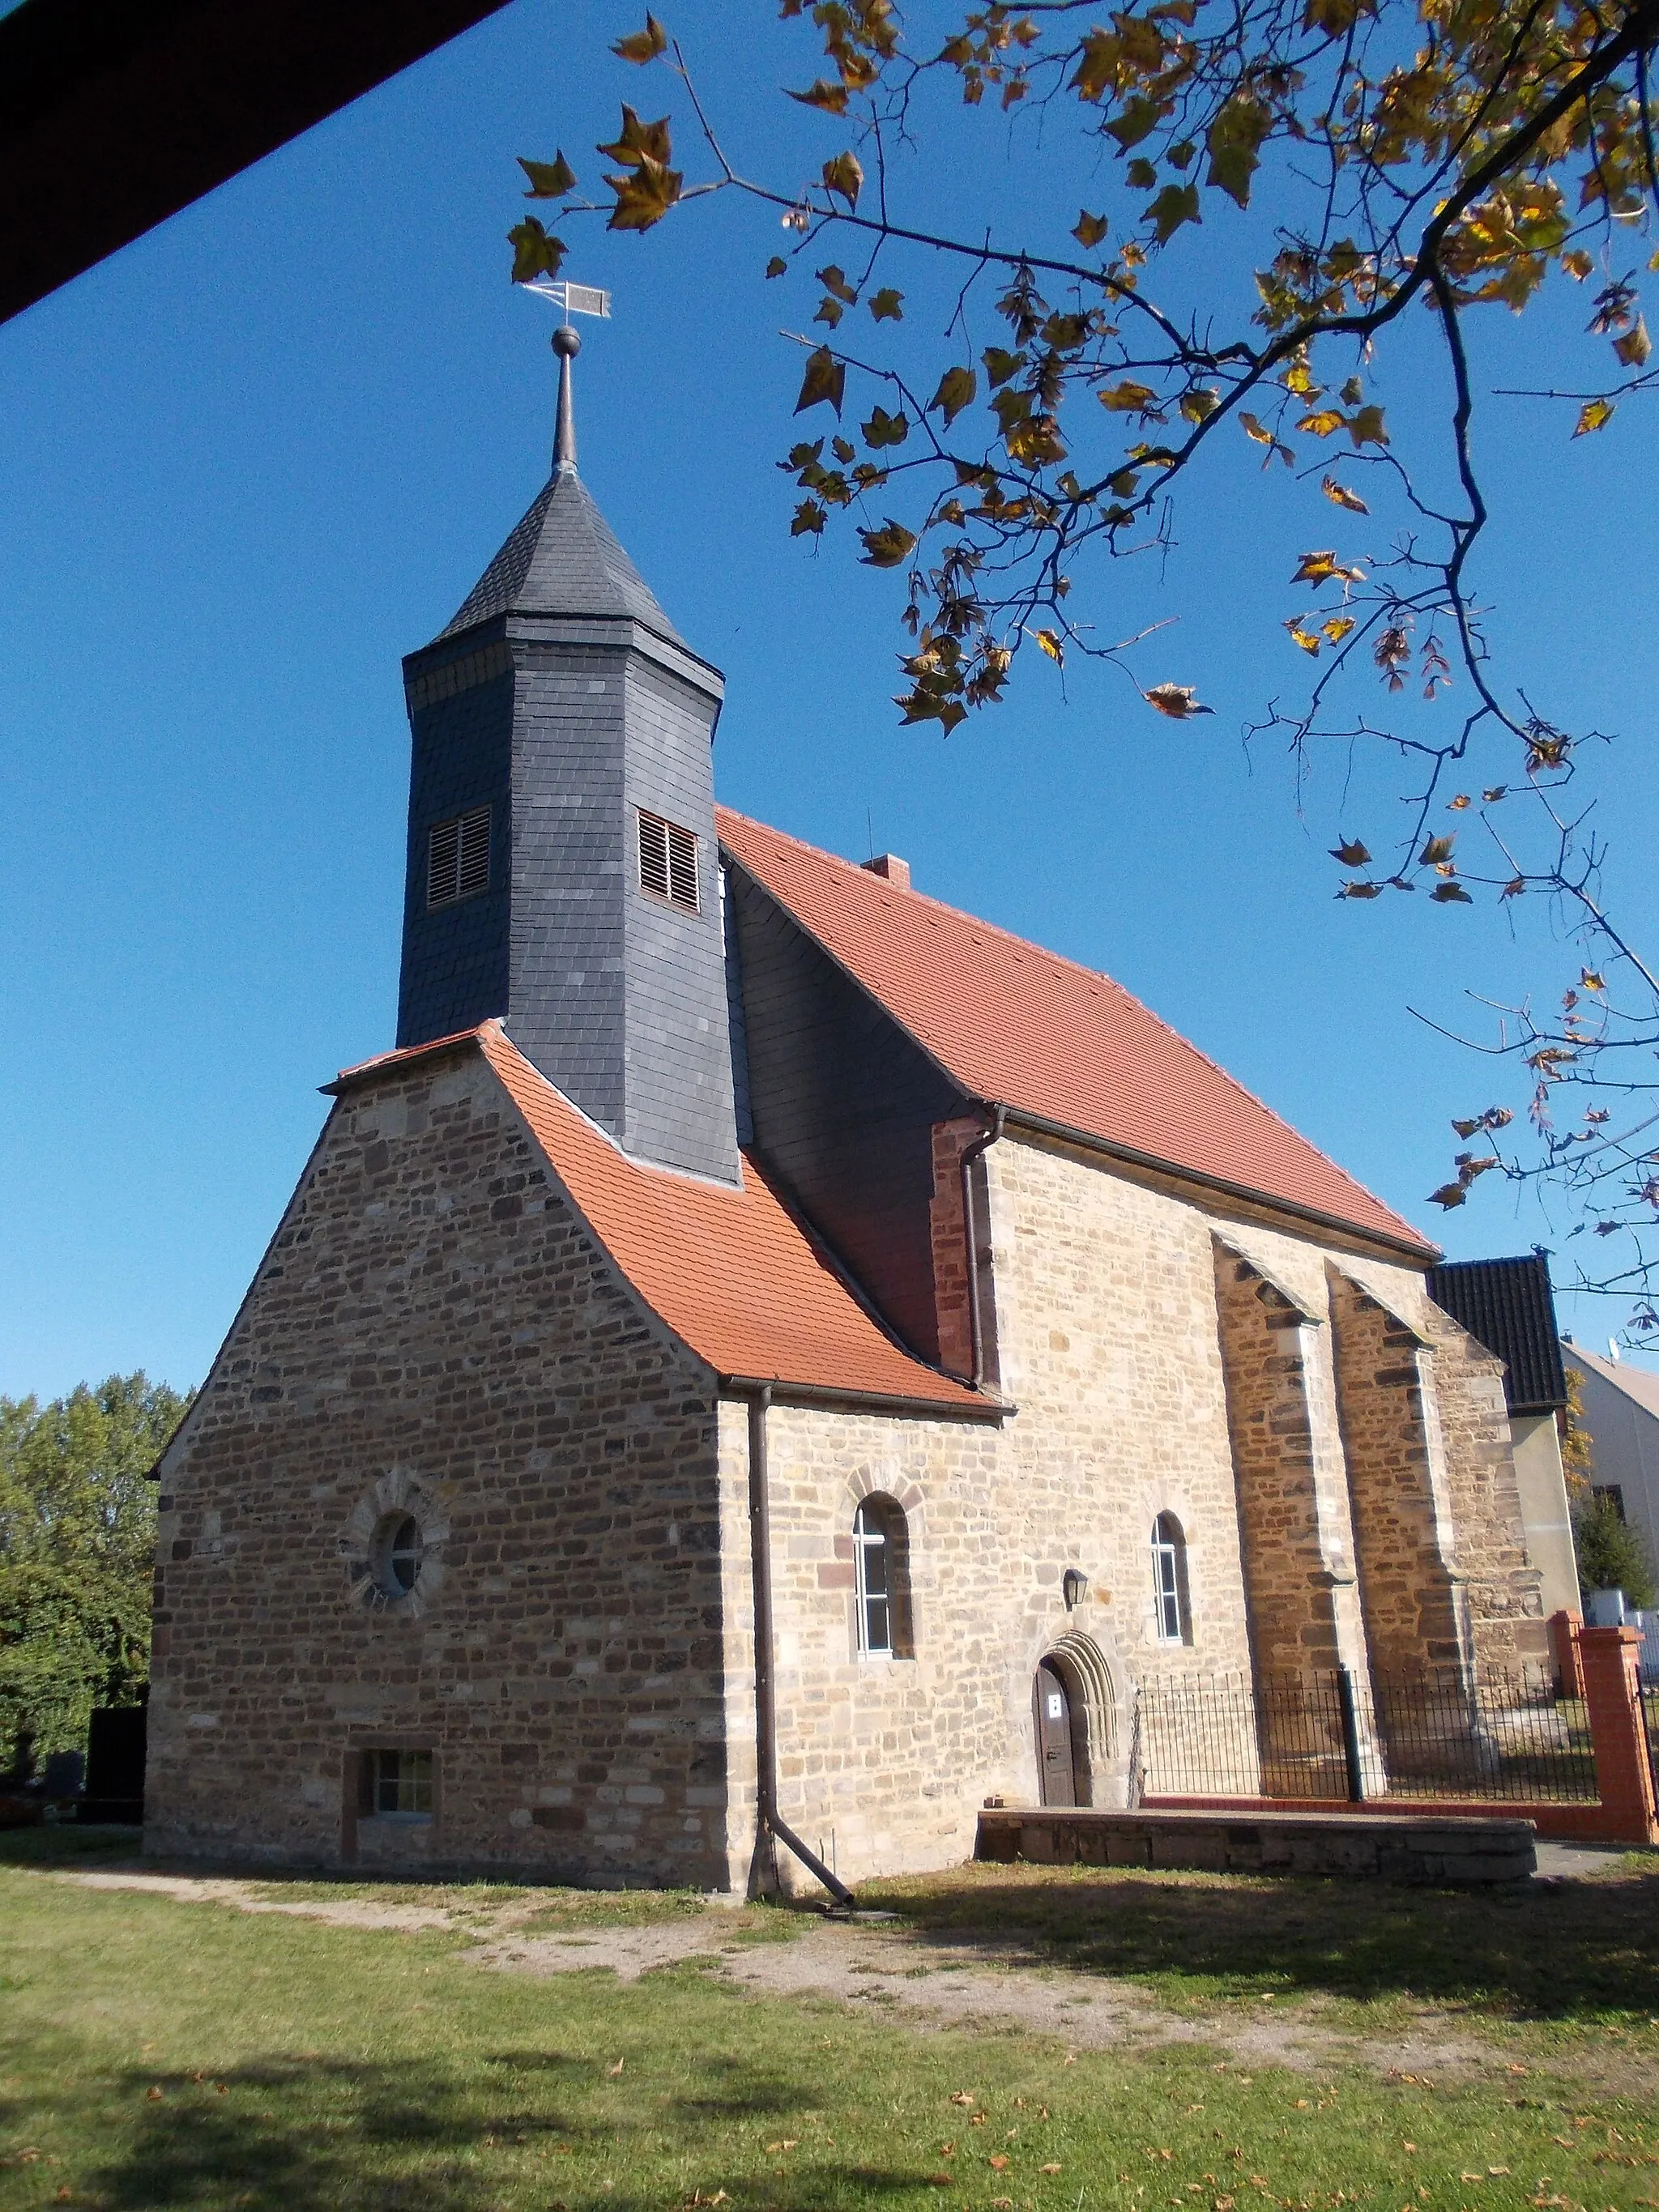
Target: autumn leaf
{"type": "Point", "coordinates": [1443, 894]}
{"type": "Point", "coordinates": [1594, 415]}
{"type": "Point", "coordinates": [549, 181]}
{"type": "Point", "coordinates": [1351, 853]}
{"type": "Point", "coordinates": [885, 429]}
{"type": "Point", "coordinates": [1199, 404]}
{"type": "Point", "coordinates": [1305, 639]}
{"type": "Point", "coordinates": [644, 46]}
{"type": "Point", "coordinates": [1360, 891]}
{"type": "Point", "coordinates": [1578, 264]}
{"type": "Point", "coordinates": [885, 305]}
{"type": "Point", "coordinates": [1635, 347]}
{"type": "Point", "coordinates": [1050, 2168]}
{"type": "Point", "coordinates": [639, 142]}
{"type": "Point", "coordinates": [844, 176]}
{"type": "Point", "coordinates": [1127, 398]}
{"type": "Point", "coordinates": [1590, 981]}
{"type": "Point", "coordinates": [1337, 627]}
{"type": "Point", "coordinates": [999, 2162]}
{"type": "Point", "coordinates": [1234, 140]}
{"type": "Point", "coordinates": [1449, 1195]}
{"type": "Point", "coordinates": [1178, 701]}
{"type": "Point", "coordinates": [1000, 365]}
{"type": "Point", "coordinates": [887, 547]}
{"type": "Point", "coordinates": [1175, 205]}
{"type": "Point", "coordinates": [614, 2070]}
{"type": "Point", "coordinates": [834, 279]}
{"type": "Point", "coordinates": [1366, 428]}
{"type": "Point", "coordinates": [1434, 851]}
{"type": "Point", "coordinates": [643, 197]}
{"type": "Point", "coordinates": [1050, 644]}
{"type": "Point", "coordinates": [535, 253]}
{"type": "Point", "coordinates": [809, 518]}
{"type": "Point", "coordinates": [1323, 422]}
{"type": "Point", "coordinates": [1321, 567]}
{"type": "Point", "coordinates": [956, 390]}
{"type": "Point", "coordinates": [830, 98]}
{"type": "Point", "coordinates": [777, 266]}
{"type": "Point", "coordinates": [825, 379]}
{"type": "Point", "coordinates": [1089, 229]}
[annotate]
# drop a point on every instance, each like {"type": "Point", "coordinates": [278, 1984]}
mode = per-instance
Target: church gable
{"type": "Point", "coordinates": [436, 1340]}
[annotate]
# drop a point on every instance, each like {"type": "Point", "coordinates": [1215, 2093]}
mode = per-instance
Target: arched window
{"type": "Point", "coordinates": [1172, 1612]}
{"type": "Point", "coordinates": [881, 1556]}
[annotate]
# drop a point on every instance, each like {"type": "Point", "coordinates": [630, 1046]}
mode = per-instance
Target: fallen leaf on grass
{"type": "Point", "coordinates": [1049, 2169]}
{"type": "Point", "coordinates": [963, 2097]}
{"type": "Point", "coordinates": [999, 2162]}
{"type": "Point", "coordinates": [614, 2070]}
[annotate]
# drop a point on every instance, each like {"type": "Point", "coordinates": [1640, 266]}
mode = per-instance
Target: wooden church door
{"type": "Point", "coordinates": [1056, 1774]}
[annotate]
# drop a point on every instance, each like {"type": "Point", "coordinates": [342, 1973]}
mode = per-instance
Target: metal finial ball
{"type": "Point", "coordinates": [565, 342]}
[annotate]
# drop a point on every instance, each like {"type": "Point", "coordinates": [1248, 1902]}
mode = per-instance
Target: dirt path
{"type": "Point", "coordinates": [932, 1984]}
{"type": "Point", "coordinates": [872, 1961]}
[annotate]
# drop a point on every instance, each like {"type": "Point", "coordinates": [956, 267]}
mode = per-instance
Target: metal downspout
{"type": "Point", "coordinates": [975, 1320]}
{"type": "Point", "coordinates": [769, 1830]}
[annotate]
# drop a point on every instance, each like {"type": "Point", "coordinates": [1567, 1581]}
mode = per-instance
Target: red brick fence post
{"type": "Point", "coordinates": [1564, 1629]}
{"type": "Point", "coordinates": [1623, 1778]}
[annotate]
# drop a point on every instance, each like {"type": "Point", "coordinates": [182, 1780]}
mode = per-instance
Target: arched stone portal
{"type": "Point", "coordinates": [1100, 1770]}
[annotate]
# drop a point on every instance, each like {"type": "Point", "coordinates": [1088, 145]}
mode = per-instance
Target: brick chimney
{"type": "Point", "coordinates": [889, 864]}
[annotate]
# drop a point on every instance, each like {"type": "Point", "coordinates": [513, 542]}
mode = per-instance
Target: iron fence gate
{"type": "Point", "coordinates": [1328, 1735]}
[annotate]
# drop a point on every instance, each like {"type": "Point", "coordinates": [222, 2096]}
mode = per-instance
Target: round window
{"type": "Point", "coordinates": [399, 1550]}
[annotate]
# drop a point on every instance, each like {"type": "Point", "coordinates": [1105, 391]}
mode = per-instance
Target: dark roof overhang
{"type": "Point", "coordinates": [114, 114]}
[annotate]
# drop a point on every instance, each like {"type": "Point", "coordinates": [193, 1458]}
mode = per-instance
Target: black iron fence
{"type": "Point", "coordinates": [1333, 1736]}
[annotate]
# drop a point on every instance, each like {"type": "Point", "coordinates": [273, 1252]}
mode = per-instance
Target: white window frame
{"type": "Point", "coordinates": [411, 1792]}
{"type": "Point", "coordinates": [1171, 1608]}
{"type": "Point", "coordinates": [871, 1535]}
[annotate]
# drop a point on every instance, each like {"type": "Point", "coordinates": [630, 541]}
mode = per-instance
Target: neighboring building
{"type": "Point", "coordinates": [1507, 1306]}
{"type": "Point", "coordinates": [710, 1168]}
{"type": "Point", "coordinates": [1621, 1412]}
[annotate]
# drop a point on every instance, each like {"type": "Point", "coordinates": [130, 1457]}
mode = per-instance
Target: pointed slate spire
{"type": "Point", "coordinates": [558, 710]}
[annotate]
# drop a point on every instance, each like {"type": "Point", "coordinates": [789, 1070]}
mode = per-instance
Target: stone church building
{"type": "Point", "coordinates": [768, 1348]}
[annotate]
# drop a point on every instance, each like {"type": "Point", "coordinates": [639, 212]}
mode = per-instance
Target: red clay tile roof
{"type": "Point", "coordinates": [1023, 1028]}
{"type": "Point", "coordinates": [731, 1271]}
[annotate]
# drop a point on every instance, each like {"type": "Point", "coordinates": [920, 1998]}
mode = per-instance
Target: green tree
{"type": "Point", "coordinates": [77, 1534]}
{"type": "Point", "coordinates": [1284, 202]}
{"type": "Point", "coordinates": [1611, 1553]}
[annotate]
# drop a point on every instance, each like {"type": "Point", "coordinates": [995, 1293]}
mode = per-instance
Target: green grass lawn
{"type": "Point", "coordinates": [156, 2053]}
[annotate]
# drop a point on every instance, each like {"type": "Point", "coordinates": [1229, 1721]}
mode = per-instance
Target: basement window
{"type": "Point", "coordinates": [668, 862]}
{"type": "Point", "coordinates": [395, 1785]}
{"type": "Point", "coordinates": [458, 858]}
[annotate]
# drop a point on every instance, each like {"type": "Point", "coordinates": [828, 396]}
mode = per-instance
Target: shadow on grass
{"type": "Point", "coordinates": [1551, 1951]}
{"type": "Point", "coordinates": [54, 1841]}
{"type": "Point", "coordinates": [292, 2135]}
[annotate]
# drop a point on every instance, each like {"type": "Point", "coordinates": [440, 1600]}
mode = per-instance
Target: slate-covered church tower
{"type": "Point", "coordinates": [563, 764]}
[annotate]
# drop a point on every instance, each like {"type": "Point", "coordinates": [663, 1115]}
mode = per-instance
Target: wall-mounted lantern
{"type": "Point", "coordinates": [1074, 1587]}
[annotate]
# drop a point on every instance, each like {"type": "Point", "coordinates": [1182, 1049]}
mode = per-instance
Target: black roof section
{"type": "Point", "coordinates": [116, 113]}
{"type": "Point", "coordinates": [1506, 1305]}
{"type": "Point", "coordinates": [562, 558]}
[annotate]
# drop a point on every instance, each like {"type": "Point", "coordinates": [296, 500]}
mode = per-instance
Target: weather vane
{"type": "Point", "coordinates": [571, 300]}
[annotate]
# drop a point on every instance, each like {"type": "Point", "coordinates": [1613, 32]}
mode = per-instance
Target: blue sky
{"type": "Point", "coordinates": [265, 451]}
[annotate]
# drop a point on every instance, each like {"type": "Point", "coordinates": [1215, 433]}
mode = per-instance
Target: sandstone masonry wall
{"type": "Point", "coordinates": [1402, 1522]}
{"type": "Point", "coordinates": [433, 1330]}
